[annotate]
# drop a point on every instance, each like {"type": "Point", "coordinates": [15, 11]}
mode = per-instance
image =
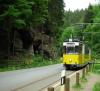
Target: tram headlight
{"type": "Point", "coordinates": [70, 60]}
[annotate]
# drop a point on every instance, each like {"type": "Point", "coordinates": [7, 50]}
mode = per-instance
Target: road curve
{"type": "Point", "coordinates": [32, 79]}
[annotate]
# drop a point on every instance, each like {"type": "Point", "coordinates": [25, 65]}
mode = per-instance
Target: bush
{"type": "Point", "coordinates": [96, 87]}
{"type": "Point", "coordinates": [29, 61]}
{"type": "Point", "coordinates": [96, 67]}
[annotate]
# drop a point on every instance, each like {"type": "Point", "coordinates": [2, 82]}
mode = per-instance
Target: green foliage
{"type": "Point", "coordinates": [70, 27]}
{"type": "Point", "coordinates": [78, 87]}
{"type": "Point", "coordinates": [96, 87]}
{"type": "Point", "coordinates": [96, 67]}
{"type": "Point", "coordinates": [89, 15]}
{"type": "Point", "coordinates": [20, 24]}
{"type": "Point", "coordinates": [25, 18]}
{"type": "Point", "coordinates": [67, 33]}
{"type": "Point", "coordinates": [55, 17]}
{"type": "Point", "coordinates": [96, 11]}
{"type": "Point", "coordinates": [40, 12]}
{"type": "Point", "coordinates": [94, 29]}
{"type": "Point", "coordinates": [22, 13]}
{"type": "Point", "coordinates": [70, 18]}
{"type": "Point", "coordinates": [14, 12]}
{"type": "Point", "coordinates": [83, 79]}
{"type": "Point", "coordinates": [29, 61]}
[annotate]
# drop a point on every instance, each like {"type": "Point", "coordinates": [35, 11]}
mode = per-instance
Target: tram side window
{"type": "Point", "coordinates": [64, 49]}
{"type": "Point", "coordinates": [76, 49]}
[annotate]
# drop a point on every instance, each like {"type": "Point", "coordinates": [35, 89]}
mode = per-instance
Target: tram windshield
{"type": "Point", "coordinates": [72, 50]}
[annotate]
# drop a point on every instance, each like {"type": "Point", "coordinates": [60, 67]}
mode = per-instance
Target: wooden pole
{"type": "Point", "coordinates": [50, 89]}
{"type": "Point", "coordinates": [77, 78]}
{"type": "Point", "coordinates": [83, 72]}
{"type": "Point", "coordinates": [90, 65]}
{"type": "Point", "coordinates": [87, 69]}
{"type": "Point", "coordinates": [67, 84]}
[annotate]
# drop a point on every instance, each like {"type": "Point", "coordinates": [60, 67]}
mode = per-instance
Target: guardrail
{"type": "Point", "coordinates": [65, 81]}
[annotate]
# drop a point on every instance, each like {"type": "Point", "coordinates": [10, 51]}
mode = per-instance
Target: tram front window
{"type": "Point", "coordinates": [70, 50]}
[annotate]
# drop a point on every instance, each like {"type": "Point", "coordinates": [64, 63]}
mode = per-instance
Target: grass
{"type": "Point", "coordinates": [83, 79]}
{"type": "Point", "coordinates": [28, 62]}
{"type": "Point", "coordinates": [96, 69]}
{"type": "Point", "coordinates": [39, 61]}
{"type": "Point", "coordinates": [96, 87]}
{"type": "Point", "coordinates": [77, 86]}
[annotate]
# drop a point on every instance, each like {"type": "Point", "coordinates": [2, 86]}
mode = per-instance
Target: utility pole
{"type": "Point", "coordinates": [82, 39]}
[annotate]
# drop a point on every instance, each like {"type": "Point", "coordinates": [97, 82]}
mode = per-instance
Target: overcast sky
{"type": "Point", "coordinates": [78, 4]}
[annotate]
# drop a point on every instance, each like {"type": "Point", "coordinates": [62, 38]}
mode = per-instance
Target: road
{"type": "Point", "coordinates": [32, 79]}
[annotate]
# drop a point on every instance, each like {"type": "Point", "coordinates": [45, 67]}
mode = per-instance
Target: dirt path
{"type": "Point", "coordinates": [93, 78]}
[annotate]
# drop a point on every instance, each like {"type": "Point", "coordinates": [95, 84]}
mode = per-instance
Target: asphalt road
{"type": "Point", "coordinates": [33, 79]}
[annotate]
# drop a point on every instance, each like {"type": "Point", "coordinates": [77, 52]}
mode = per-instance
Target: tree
{"type": "Point", "coordinates": [55, 17]}
{"type": "Point", "coordinates": [89, 15]}
{"type": "Point", "coordinates": [22, 16]}
{"type": "Point", "coordinates": [70, 18]}
{"type": "Point", "coordinates": [93, 29]}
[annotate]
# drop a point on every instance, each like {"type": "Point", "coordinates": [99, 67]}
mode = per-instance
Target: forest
{"type": "Point", "coordinates": [32, 31]}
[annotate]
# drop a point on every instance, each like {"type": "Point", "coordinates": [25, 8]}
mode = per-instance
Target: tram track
{"type": "Point", "coordinates": [35, 81]}
{"type": "Point", "coordinates": [31, 79]}
{"type": "Point", "coordinates": [49, 80]}
{"type": "Point", "coordinates": [55, 82]}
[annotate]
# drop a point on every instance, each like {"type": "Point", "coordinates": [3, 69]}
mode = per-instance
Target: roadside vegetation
{"type": "Point", "coordinates": [29, 62]}
{"type": "Point", "coordinates": [96, 67]}
{"type": "Point", "coordinates": [96, 87]}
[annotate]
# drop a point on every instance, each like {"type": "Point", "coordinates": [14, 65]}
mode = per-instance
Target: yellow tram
{"type": "Point", "coordinates": [75, 53]}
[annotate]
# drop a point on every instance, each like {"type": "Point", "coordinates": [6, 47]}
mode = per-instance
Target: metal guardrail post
{"type": "Point", "coordinates": [50, 89]}
{"type": "Point", "coordinates": [77, 78]}
{"type": "Point", "coordinates": [67, 84]}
